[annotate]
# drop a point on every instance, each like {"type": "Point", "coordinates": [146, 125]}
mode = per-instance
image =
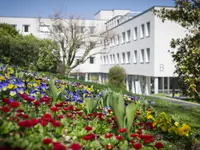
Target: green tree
{"type": "Point", "coordinates": [117, 76]}
{"type": "Point", "coordinates": [49, 55]}
{"type": "Point", "coordinates": [187, 54]}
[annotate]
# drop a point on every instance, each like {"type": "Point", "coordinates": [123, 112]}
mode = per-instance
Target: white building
{"type": "Point", "coordinates": [140, 44]}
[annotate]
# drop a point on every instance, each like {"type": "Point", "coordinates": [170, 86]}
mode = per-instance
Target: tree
{"type": "Point", "coordinates": [187, 54]}
{"type": "Point", "coordinates": [49, 56]}
{"type": "Point", "coordinates": [117, 76]}
{"type": "Point", "coordinates": [72, 39]}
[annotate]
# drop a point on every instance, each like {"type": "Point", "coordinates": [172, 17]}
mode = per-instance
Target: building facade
{"type": "Point", "coordinates": [140, 44]}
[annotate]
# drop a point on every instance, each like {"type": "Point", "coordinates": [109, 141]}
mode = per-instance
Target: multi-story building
{"type": "Point", "coordinates": [140, 43]}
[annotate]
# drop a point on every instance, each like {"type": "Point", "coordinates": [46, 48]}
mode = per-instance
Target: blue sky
{"type": "Point", "coordinates": [80, 8]}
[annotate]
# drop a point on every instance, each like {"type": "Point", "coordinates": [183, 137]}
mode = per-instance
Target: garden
{"type": "Point", "coordinates": [52, 113]}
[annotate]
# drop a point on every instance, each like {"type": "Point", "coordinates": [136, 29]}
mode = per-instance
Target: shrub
{"type": "Point", "coordinates": [116, 77]}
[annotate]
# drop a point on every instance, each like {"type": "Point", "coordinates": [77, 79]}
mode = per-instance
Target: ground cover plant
{"type": "Point", "coordinates": [42, 113]}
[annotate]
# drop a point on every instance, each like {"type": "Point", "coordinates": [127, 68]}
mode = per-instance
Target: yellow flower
{"type": "Point", "coordinates": [82, 105]}
{"type": "Point", "coordinates": [195, 141]}
{"type": "Point", "coordinates": [176, 124]}
{"type": "Point", "coordinates": [2, 78]}
{"type": "Point", "coordinates": [155, 123]}
{"type": "Point", "coordinates": [164, 128]}
{"type": "Point", "coordinates": [149, 116]}
{"type": "Point", "coordinates": [10, 86]}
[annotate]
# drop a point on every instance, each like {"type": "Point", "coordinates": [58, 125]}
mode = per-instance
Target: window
{"type": "Point", "coordinates": [91, 60]}
{"type": "Point", "coordinates": [101, 60]}
{"type": "Point", "coordinates": [111, 61]}
{"type": "Point", "coordinates": [128, 57]}
{"type": "Point", "coordinates": [148, 29]}
{"type": "Point", "coordinates": [118, 58]}
{"type": "Point", "coordinates": [80, 29]}
{"type": "Point", "coordinates": [123, 58]}
{"type": "Point", "coordinates": [44, 28]}
{"type": "Point", "coordinates": [128, 36]}
{"type": "Point", "coordinates": [123, 37]}
{"type": "Point", "coordinates": [142, 31]}
{"type": "Point", "coordinates": [147, 58]}
{"type": "Point", "coordinates": [92, 28]}
{"type": "Point", "coordinates": [114, 59]}
{"type": "Point", "coordinates": [104, 60]}
{"type": "Point", "coordinates": [26, 28]}
{"type": "Point", "coordinates": [118, 39]}
{"type": "Point", "coordinates": [142, 56]}
{"type": "Point", "coordinates": [135, 34]}
{"type": "Point", "coordinates": [107, 59]}
{"type": "Point", "coordinates": [92, 45]}
{"type": "Point", "coordinates": [135, 56]}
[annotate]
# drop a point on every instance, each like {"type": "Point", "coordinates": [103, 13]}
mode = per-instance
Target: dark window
{"type": "Point", "coordinates": [26, 28]}
{"type": "Point", "coordinates": [91, 60]}
{"type": "Point", "coordinates": [92, 30]}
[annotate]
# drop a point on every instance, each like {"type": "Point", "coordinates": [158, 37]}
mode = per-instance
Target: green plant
{"type": "Point", "coordinates": [116, 76]}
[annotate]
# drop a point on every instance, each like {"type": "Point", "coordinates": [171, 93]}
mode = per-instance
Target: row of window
{"type": "Point", "coordinates": [25, 28]}
{"type": "Point", "coordinates": [125, 57]}
{"type": "Point", "coordinates": [45, 28]}
{"type": "Point", "coordinates": [126, 36]}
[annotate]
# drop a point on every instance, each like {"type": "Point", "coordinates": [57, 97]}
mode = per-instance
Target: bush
{"type": "Point", "coordinates": [116, 77]}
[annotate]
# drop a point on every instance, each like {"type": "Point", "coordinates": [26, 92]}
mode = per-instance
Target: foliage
{"type": "Point", "coordinates": [116, 76]}
{"type": "Point", "coordinates": [27, 52]}
{"type": "Point", "coordinates": [187, 56]}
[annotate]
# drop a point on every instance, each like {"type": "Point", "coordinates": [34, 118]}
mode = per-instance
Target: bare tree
{"type": "Point", "coordinates": [73, 38]}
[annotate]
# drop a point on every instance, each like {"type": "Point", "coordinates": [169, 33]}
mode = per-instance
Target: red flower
{"type": "Point", "coordinates": [122, 130]}
{"type": "Point", "coordinates": [5, 109]}
{"type": "Point", "coordinates": [140, 124]}
{"type": "Point", "coordinates": [56, 123]}
{"type": "Point", "coordinates": [69, 115]}
{"type": "Point", "coordinates": [119, 137]}
{"type": "Point", "coordinates": [6, 101]}
{"type": "Point", "coordinates": [54, 109]}
{"type": "Point", "coordinates": [47, 117]}
{"type": "Point", "coordinates": [159, 145]}
{"type": "Point", "coordinates": [80, 114]}
{"type": "Point", "coordinates": [108, 135]}
{"type": "Point", "coordinates": [132, 141]}
{"type": "Point", "coordinates": [75, 146]}
{"type": "Point", "coordinates": [133, 135]}
{"type": "Point", "coordinates": [90, 136]}
{"type": "Point", "coordinates": [109, 146]}
{"type": "Point", "coordinates": [14, 104]}
{"type": "Point", "coordinates": [25, 116]}
{"type": "Point", "coordinates": [26, 97]}
{"type": "Point", "coordinates": [58, 146]}
{"type": "Point", "coordinates": [43, 123]}
{"type": "Point", "coordinates": [47, 141]}
{"type": "Point", "coordinates": [88, 128]}
{"type": "Point", "coordinates": [45, 99]}
{"type": "Point", "coordinates": [34, 121]}
{"type": "Point", "coordinates": [36, 103]}
{"type": "Point", "coordinates": [71, 107]}
{"type": "Point", "coordinates": [137, 146]}
{"type": "Point", "coordinates": [60, 116]}
{"type": "Point", "coordinates": [25, 124]}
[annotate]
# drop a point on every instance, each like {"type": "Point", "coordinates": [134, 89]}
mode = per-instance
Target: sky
{"type": "Point", "coordinates": [79, 8]}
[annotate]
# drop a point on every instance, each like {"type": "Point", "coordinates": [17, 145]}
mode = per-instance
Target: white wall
{"type": "Point", "coordinates": [146, 69]}
{"type": "Point", "coordinates": [164, 32]}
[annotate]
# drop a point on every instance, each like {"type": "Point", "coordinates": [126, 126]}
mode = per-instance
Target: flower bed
{"type": "Point", "coordinates": [56, 114]}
